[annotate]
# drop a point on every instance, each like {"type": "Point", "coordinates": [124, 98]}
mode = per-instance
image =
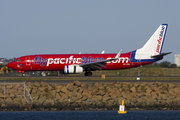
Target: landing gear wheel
{"type": "Point", "coordinates": [88, 74]}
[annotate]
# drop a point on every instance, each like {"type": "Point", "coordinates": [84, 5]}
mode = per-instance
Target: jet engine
{"type": "Point", "coordinates": [73, 69]}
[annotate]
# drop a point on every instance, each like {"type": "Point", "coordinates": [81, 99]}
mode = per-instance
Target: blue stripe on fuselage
{"type": "Point", "coordinates": [132, 59]}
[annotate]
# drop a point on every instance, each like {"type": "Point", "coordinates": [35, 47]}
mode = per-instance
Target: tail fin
{"type": "Point", "coordinates": [154, 45]}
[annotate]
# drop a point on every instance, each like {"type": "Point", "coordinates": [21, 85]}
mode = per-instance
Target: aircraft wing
{"type": "Point", "coordinates": [97, 65]}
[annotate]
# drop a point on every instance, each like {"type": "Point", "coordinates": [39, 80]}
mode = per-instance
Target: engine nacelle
{"type": "Point", "coordinates": [73, 69]}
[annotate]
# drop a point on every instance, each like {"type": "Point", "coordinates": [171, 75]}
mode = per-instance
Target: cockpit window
{"type": "Point", "coordinates": [16, 60]}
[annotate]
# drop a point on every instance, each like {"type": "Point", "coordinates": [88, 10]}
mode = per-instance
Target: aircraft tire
{"type": "Point", "coordinates": [88, 74]}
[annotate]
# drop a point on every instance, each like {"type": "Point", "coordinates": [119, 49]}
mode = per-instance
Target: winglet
{"type": "Point", "coordinates": [118, 54]}
{"type": "Point", "coordinates": [102, 52]}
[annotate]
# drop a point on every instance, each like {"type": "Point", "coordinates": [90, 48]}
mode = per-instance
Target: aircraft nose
{"type": "Point", "coordinates": [10, 65]}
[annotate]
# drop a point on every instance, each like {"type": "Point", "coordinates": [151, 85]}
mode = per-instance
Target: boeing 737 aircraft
{"type": "Point", "coordinates": [78, 63]}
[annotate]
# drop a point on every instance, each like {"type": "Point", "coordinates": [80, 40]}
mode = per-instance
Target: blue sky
{"type": "Point", "coordinates": [86, 26]}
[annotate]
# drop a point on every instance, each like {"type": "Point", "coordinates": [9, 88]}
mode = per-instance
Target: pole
{"type": "Point", "coordinates": [4, 90]}
{"type": "Point", "coordinates": [24, 88]}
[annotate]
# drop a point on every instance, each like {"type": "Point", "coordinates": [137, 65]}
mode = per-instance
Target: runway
{"type": "Point", "coordinates": [88, 81]}
{"type": "Point", "coordinates": [91, 79]}
{"type": "Point", "coordinates": [54, 77]}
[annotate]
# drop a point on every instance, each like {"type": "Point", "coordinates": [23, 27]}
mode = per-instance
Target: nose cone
{"type": "Point", "coordinates": [10, 65]}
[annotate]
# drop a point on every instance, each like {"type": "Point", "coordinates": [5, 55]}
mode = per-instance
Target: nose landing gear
{"type": "Point", "coordinates": [88, 73]}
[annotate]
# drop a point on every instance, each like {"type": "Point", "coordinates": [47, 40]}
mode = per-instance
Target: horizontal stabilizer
{"type": "Point", "coordinates": [160, 55]}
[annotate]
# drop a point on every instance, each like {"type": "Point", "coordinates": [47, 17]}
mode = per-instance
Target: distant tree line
{"type": "Point", "coordinates": [164, 64]}
{"type": "Point", "coordinates": [1, 65]}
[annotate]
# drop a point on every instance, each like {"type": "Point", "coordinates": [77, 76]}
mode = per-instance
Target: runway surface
{"type": "Point", "coordinates": [92, 79]}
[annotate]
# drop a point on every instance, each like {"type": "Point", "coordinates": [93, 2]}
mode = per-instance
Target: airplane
{"type": "Point", "coordinates": [78, 63]}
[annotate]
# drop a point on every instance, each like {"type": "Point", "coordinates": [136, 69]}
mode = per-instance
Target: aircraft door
{"type": "Point", "coordinates": [28, 61]}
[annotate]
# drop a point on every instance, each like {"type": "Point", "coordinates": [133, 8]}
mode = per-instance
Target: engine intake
{"type": "Point", "coordinates": [73, 69]}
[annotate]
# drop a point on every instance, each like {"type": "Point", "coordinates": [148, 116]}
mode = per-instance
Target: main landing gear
{"type": "Point", "coordinates": [88, 73]}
